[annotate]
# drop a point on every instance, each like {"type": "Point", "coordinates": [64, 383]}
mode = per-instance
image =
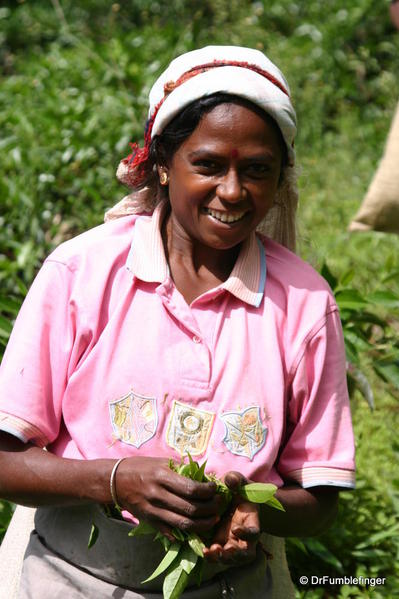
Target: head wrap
{"type": "Point", "coordinates": [233, 70]}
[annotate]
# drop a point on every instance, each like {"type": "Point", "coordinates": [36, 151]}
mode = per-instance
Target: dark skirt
{"type": "Point", "coordinates": [58, 563]}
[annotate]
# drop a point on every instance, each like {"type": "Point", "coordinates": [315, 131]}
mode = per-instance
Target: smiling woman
{"type": "Point", "coordinates": [219, 195]}
{"type": "Point", "coordinates": [179, 328]}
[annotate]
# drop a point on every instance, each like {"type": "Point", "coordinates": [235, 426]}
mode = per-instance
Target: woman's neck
{"type": "Point", "coordinates": [195, 268]}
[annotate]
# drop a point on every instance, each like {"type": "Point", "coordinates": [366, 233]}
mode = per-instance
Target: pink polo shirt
{"type": "Point", "coordinates": [106, 359]}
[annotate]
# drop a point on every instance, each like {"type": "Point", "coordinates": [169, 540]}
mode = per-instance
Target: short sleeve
{"type": "Point", "coordinates": [319, 443]}
{"type": "Point", "coordinates": [35, 366]}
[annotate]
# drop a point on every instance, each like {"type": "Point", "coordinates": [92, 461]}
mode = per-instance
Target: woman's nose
{"type": "Point", "coordinates": [230, 188]}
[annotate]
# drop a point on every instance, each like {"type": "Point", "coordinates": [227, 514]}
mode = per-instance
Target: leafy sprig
{"type": "Point", "coordinates": [184, 557]}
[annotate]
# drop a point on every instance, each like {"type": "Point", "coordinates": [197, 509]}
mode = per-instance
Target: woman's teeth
{"type": "Point", "coordinates": [225, 217]}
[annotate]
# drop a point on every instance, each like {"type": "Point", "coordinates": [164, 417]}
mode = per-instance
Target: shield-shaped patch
{"type": "Point", "coordinates": [134, 418]}
{"type": "Point", "coordinates": [245, 434]}
{"type": "Point", "coordinates": [189, 429]}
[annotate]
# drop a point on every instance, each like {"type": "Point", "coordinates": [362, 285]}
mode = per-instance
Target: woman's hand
{"type": "Point", "coordinates": [237, 536]}
{"type": "Point", "coordinates": [146, 487]}
{"type": "Point", "coordinates": [150, 490]}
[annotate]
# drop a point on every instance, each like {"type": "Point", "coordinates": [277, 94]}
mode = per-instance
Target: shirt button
{"type": "Point", "coordinates": [196, 339]}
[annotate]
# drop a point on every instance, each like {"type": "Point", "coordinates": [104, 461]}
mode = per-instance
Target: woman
{"type": "Point", "coordinates": [178, 329]}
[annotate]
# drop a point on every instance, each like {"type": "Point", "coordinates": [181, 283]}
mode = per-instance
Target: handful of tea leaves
{"type": "Point", "coordinates": [184, 556]}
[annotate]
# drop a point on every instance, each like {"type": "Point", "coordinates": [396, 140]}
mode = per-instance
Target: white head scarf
{"type": "Point", "coordinates": [233, 70]}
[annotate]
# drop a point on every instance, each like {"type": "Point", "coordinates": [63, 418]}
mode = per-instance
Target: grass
{"type": "Point", "coordinates": [74, 83]}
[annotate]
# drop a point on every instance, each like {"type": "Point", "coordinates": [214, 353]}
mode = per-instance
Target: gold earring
{"type": "Point", "coordinates": [163, 178]}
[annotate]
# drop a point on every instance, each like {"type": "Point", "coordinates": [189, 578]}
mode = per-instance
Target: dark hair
{"type": "Point", "coordinates": [164, 146]}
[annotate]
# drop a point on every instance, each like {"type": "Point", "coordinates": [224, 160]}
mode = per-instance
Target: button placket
{"type": "Point", "coordinates": [194, 365]}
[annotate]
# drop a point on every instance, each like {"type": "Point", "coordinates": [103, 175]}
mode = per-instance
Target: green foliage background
{"type": "Point", "coordinates": [75, 78]}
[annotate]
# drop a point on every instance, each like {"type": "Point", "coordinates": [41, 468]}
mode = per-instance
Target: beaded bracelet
{"type": "Point", "coordinates": [112, 482]}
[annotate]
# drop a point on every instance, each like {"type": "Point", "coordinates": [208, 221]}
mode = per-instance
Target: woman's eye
{"type": "Point", "coordinates": [258, 169]}
{"type": "Point", "coordinates": [206, 165]}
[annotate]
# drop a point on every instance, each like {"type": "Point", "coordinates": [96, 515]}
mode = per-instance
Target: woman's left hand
{"type": "Point", "coordinates": [237, 535]}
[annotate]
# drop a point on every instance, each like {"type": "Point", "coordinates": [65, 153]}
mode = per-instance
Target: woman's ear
{"type": "Point", "coordinates": [163, 174]}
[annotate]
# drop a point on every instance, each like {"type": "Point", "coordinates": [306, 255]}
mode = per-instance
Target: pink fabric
{"type": "Point", "coordinates": [106, 360]}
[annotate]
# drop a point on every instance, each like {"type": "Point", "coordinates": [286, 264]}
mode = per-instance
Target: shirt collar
{"type": "Point", "coordinates": [146, 259]}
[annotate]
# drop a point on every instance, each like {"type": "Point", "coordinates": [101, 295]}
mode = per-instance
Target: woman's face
{"type": "Point", "coordinates": [224, 177]}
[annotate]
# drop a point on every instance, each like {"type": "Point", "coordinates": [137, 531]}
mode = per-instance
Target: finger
{"type": "Point", "coordinates": [191, 509]}
{"type": "Point", "coordinates": [234, 552]}
{"type": "Point", "coordinates": [234, 480]}
{"type": "Point", "coordinates": [173, 520]}
{"type": "Point", "coordinates": [246, 533]}
{"type": "Point", "coordinates": [245, 523]}
{"type": "Point", "coordinates": [236, 556]}
{"type": "Point", "coordinates": [222, 531]}
{"type": "Point", "coordinates": [165, 530]}
{"type": "Point", "coordinates": [185, 487]}
{"type": "Point", "coordinates": [213, 553]}
{"type": "Point", "coordinates": [246, 526]}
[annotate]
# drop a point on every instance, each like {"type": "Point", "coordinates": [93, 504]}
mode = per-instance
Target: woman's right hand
{"type": "Point", "coordinates": [150, 490]}
{"type": "Point", "coordinates": [146, 487]}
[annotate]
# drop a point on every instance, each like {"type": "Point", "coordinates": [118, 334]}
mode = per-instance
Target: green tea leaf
{"type": "Point", "coordinates": [258, 492]}
{"type": "Point", "coordinates": [273, 502]}
{"type": "Point", "coordinates": [172, 465]}
{"type": "Point", "coordinates": [297, 543]}
{"type": "Point", "coordinates": [194, 467]}
{"type": "Point", "coordinates": [169, 558]}
{"type": "Point", "coordinates": [323, 553]}
{"type": "Point", "coordinates": [9, 305]}
{"type": "Point", "coordinates": [163, 540]}
{"type": "Point", "coordinates": [350, 299]}
{"type": "Point", "coordinates": [175, 582]}
{"type": "Point", "coordinates": [178, 534]}
{"type": "Point", "coordinates": [93, 536]}
{"type": "Point", "coordinates": [391, 532]}
{"type": "Point", "coordinates": [388, 371]}
{"type": "Point", "coordinates": [5, 327]}
{"type": "Point", "coordinates": [188, 559]}
{"type": "Point", "coordinates": [196, 544]}
{"type": "Point", "coordinates": [199, 475]}
{"type": "Point", "coordinates": [384, 298]}
{"type": "Point", "coordinates": [184, 470]}
{"type": "Point", "coordinates": [346, 277]}
{"type": "Point", "coordinates": [329, 277]}
{"type": "Point", "coordinates": [143, 528]}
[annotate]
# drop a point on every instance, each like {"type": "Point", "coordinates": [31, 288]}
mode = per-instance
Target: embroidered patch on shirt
{"type": "Point", "coordinates": [245, 434]}
{"type": "Point", "coordinates": [189, 429]}
{"type": "Point", "coordinates": [134, 418]}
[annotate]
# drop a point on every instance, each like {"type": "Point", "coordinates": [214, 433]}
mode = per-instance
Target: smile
{"type": "Point", "coordinates": [225, 217]}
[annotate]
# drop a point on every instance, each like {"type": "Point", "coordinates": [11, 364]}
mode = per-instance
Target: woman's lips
{"type": "Point", "coordinates": [225, 216]}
